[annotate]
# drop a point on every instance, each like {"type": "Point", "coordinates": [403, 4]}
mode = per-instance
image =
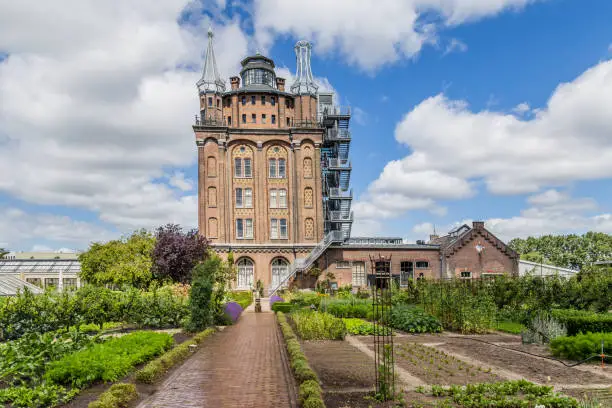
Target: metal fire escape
{"type": "Point", "coordinates": [335, 165]}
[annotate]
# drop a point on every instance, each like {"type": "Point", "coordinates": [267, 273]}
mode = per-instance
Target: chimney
{"type": "Point", "coordinates": [478, 225]}
{"type": "Point", "coordinates": [235, 82]}
{"type": "Point", "coordinates": [280, 84]}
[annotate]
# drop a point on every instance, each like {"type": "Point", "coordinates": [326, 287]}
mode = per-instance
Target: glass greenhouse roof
{"type": "Point", "coordinates": [39, 266]}
{"type": "Point", "coordinates": [10, 285]}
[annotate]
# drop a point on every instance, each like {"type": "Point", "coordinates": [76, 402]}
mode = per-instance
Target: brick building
{"type": "Point", "coordinates": [273, 185]}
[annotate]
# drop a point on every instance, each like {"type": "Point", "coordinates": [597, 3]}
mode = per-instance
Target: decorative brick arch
{"type": "Point", "coordinates": [212, 196]}
{"type": "Point", "coordinates": [245, 273]}
{"type": "Point", "coordinates": [211, 166]}
{"type": "Point", "coordinates": [279, 268]}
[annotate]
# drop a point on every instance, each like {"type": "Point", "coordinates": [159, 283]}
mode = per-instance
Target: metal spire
{"type": "Point", "coordinates": [303, 84]}
{"type": "Point", "coordinates": [210, 81]}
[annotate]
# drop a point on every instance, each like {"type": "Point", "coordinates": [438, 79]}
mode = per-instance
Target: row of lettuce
{"type": "Point", "coordinates": [54, 345]}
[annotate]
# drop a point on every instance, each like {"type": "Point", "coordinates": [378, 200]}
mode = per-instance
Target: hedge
{"type": "Point", "coordinates": [117, 396]}
{"type": "Point", "coordinates": [285, 307]}
{"type": "Point", "coordinates": [243, 298]}
{"type": "Point", "coordinates": [581, 346]}
{"type": "Point", "coordinates": [580, 321]}
{"type": "Point", "coordinates": [160, 366]}
{"type": "Point", "coordinates": [310, 393]}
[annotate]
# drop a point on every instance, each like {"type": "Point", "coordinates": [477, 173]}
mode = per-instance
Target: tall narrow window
{"type": "Point", "coordinates": [209, 101]}
{"type": "Point", "coordinates": [247, 168]}
{"type": "Point", "coordinates": [218, 103]}
{"type": "Point", "coordinates": [248, 228]}
{"type": "Point", "coordinates": [273, 119]}
{"type": "Point", "coordinates": [359, 275]}
{"type": "Point", "coordinates": [243, 118]}
{"type": "Point", "coordinates": [282, 198]}
{"type": "Point", "coordinates": [244, 100]}
{"type": "Point", "coordinates": [248, 198]}
{"type": "Point", "coordinates": [283, 228]}
{"type": "Point", "coordinates": [263, 99]}
{"type": "Point", "coordinates": [239, 228]}
{"type": "Point", "coordinates": [280, 269]}
{"type": "Point", "coordinates": [273, 200]}
{"type": "Point", "coordinates": [253, 118]}
{"type": "Point", "coordinates": [229, 121]}
{"type": "Point", "coordinates": [288, 122]}
{"type": "Point", "coordinates": [237, 167]}
{"type": "Point", "coordinates": [239, 201]}
{"type": "Point", "coordinates": [274, 228]}
{"type": "Point", "coordinates": [281, 168]}
{"type": "Point", "coordinates": [244, 280]}
{"type": "Point", "coordinates": [272, 168]}
{"type": "Point", "coordinates": [253, 100]}
{"type": "Point", "coordinates": [273, 100]}
{"type": "Point", "coordinates": [263, 118]}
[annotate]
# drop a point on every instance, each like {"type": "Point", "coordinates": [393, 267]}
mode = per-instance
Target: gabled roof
{"type": "Point", "coordinates": [454, 243]}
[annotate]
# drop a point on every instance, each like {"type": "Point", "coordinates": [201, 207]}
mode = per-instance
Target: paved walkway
{"type": "Point", "coordinates": [241, 366]}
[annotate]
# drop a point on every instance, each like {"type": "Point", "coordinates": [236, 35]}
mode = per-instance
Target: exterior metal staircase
{"type": "Point", "coordinates": [302, 264]}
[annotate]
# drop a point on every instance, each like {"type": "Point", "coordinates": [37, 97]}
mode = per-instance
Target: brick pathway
{"type": "Point", "coordinates": [241, 366]}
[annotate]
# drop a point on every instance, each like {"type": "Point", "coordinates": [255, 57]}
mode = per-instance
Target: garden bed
{"type": "Point", "coordinates": [340, 365]}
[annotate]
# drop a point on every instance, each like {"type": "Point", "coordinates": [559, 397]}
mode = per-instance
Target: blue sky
{"type": "Point", "coordinates": [451, 123]}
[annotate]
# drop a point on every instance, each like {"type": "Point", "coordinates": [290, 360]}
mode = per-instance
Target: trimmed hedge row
{"type": "Point", "coordinates": [310, 393]}
{"type": "Point", "coordinates": [285, 307]}
{"type": "Point", "coordinates": [160, 366]}
{"type": "Point", "coordinates": [581, 346]}
{"type": "Point", "coordinates": [117, 396]}
{"type": "Point", "coordinates": [582, 321]}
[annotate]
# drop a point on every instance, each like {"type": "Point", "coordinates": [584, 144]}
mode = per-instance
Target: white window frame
{"type": "Point", "coordinates": [273, 198]}
{"type": "Point", "coordinates": [465, 277]}
{"type": "Point", "coordinates": [239, 198]}
{"type": "Point", "coordinates": [359, 274]}
{"type": "Point", "coordinates": [343, 264]}
{"type": "Point", "coordinates": [284, 235]}
{"type": "Point", "coordinates": [247, 166]}
{"type": "Point", "coordinates": [239, 228]}
{"type": "Point", "coordinates": [274, 228]}
{"type": "Point", "coordinates": [272, 169]}
{"type": "Point", "coordinates": [421, 267]}
{"type": "Point", "coordinates": [248, 228]}
{"type": "Point", "coordinates": [263, 118]}
{"type": "Point", "coordinates": [248, 197]}
{"type": "Point", "coordinates": [282, 174]}
{"type": "Point", "coordinates": [282, 198]}
{"type": "Point", "coordinates": [238, 167]}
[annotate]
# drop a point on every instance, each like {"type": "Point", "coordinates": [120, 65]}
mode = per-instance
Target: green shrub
{"type": "Point", "coordinates": [413, 320]}
{"type": "Point", "coordinates": [360, 327]}
{"type": "Point", "coordinates": [200, 295]}
{"type": "Point", "coordinates": [303, 299]}
{"type": "Point", "coordinates": [160, 366]}
{"type": "Point", "coordinates": [108, 361]}
{"type": "Point", "coordinates": [285, 307]}
{"type": "Point", "coordinates": [581, 346]}
{"type": "Point", "coordinates": [351, 307]}
{"type": "Point", "coordinates": [510, 327]}
{"type": "Point", "coordinates": [312, 325]}
{"type": "Point", "coordinates": [313, 402]}
{"type": "Point", "coordinates": [581, 321]}
{"type": "Point", "coordinates": [117, 396]}
{"type": "Point", "coordinates": [308, 389]}
{"type": "Point", "coordinates": [243, 298]}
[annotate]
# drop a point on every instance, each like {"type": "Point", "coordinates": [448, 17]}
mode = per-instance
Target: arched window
{"type": "Point", "coordinates": [309, 228]}
{"type": "Point", "coordinates": [245, 274]}
{"type": "Point", "coordinates": [307, 167]}
{"type": "Point", "coordinates": [212, 228]}
{"type": "Point", "coordinates": [280, 269]}
{"type": "Point", "coordinates": [308, 197]}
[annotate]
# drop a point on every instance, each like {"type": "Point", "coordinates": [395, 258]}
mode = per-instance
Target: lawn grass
{"type": "Point", "coordinates": [510, 327]}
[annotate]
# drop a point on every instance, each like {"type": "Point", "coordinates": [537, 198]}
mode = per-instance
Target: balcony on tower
{"type": "Point", "coordinates": [336, 193]}
{"type": "Point", "coordinates": [338, 164]}
{"type": "Point", "coordinates": [340, 216]}
{"type": "Point", "coordinates": [338, 135]}
{"type": "Point", "coordinates": [203, 122]}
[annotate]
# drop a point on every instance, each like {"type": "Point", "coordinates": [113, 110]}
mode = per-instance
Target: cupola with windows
{"type": "Point", "coordinates": [258, 71]}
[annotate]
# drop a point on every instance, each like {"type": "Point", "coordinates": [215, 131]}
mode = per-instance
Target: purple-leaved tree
{"type": "Point", "coordinates": [177, 252]}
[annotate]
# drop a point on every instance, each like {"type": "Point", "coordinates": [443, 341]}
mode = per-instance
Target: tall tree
{"type": "Point", "coordinates": [124, 261]}
{"type": "Point", "coordinates": [177, 252]}
{"type": "Point", "coordinates": [3, 252]}
{"type": "Point", "coordinates": [567, 251]}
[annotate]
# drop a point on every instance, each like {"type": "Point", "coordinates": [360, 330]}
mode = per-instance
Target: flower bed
{"type": "Point", "coordinates": [233, 311]}
{"type": "Point", "coordinates": [274, 299]}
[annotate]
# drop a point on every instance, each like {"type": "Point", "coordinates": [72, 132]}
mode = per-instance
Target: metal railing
{"type": "Point", "coordinates": [302, 264]}
{"type": "Point", "coordinates": [338, 163]}
{"type": "Point", "coordinates": [336, 192]}
{"type": "Point", "coordinates": [338, 216]}
{"type": "Point", "coordinates": [338, 134]}
{"type": "Point", "coordinates": [210, 121]}
{"type": "Point", "coordinates": [298, 123]}
{"type": "Point", "coordinates": [337, 111]}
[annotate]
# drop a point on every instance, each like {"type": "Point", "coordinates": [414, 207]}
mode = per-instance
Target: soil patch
{"type": "Point", "coordinates": [436, 367]}
{"type": "Point", "coordinates": [340, 365]}
{"type": "Point", "coordinates": [532, 368]}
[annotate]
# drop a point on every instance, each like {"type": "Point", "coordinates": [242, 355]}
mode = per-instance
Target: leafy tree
{"type": "Point", "coordinates": [177, 252]}
{"type": "Point", "coordinates": [119, 262]}
{"type": "Point", "coordinates": [567, 251]}
{"type": "Point", "coordinates": [200, 296]}
{"type": "Point", "coordinates": [3, 252]}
